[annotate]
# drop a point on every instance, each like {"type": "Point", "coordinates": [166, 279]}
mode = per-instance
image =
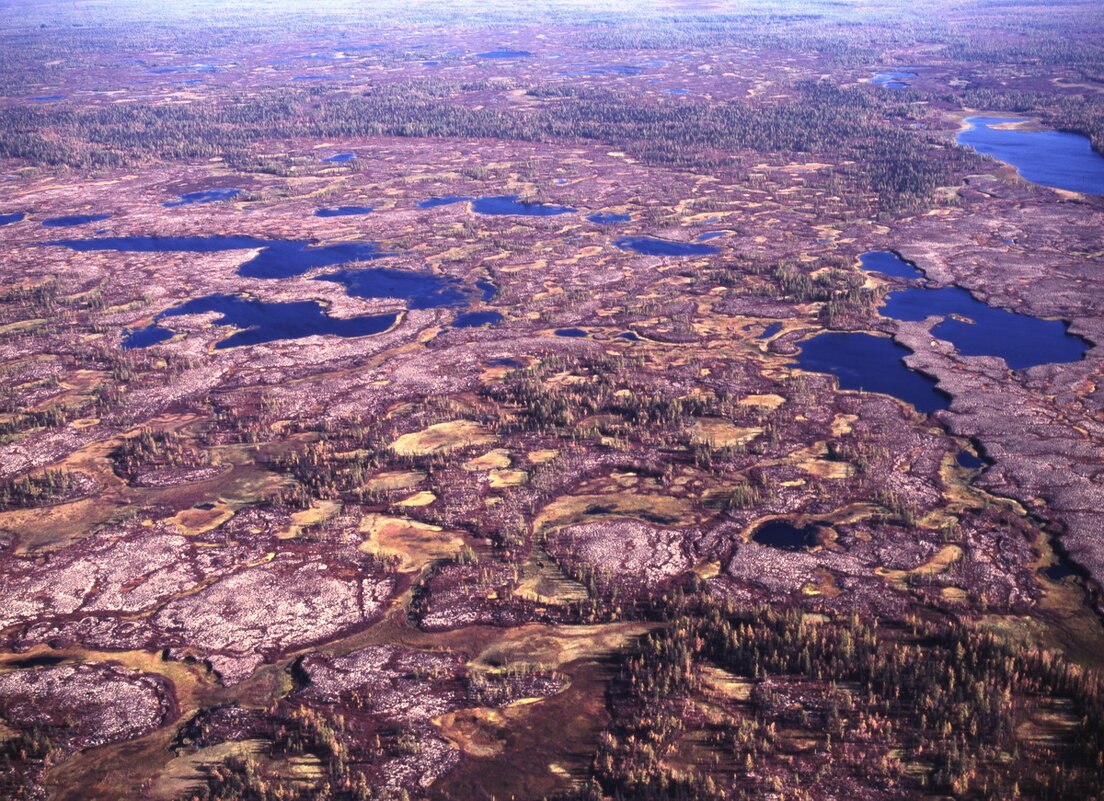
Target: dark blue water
{"type": "Point", "coordinates": [204, 196]}
{"type": "Point", "coordinates": [1050, 158]}
{"type": "Point", "coordinates": [614, 70]}
{"type": "Point", "coordinates": [434, 202]}
{"type": "Point", "coordinates": [267, 322]}
{"type": "Point", "coordinates": [968, 460]}
{"type": "Point", "coordinates": [76, 219]}
{"type": "Point", "coordinates": [8, 219]}
{"type": "Point", "coordinates": [277, 259]}
{"type": "Point", "coordinates": [505, 363]}
{"type": "Point", "coordinates": [343, 211]}
{"type": "Point", "coordinates": [477, 319]}
{"type": "Point", "coordinates": [1020, 340]}
{"type": "Point", "coordinates": [421, 290]}
{"type": "Point", "coordinates": [770, 331]}
{"type": "Point", "coordinates": [504, 54]}
{"type": "Point", "coordinates": [570, 332]}
{"type": "Point", "coordinates": [676, 91]}
{"type": "Point", "coordinates": [889, 263]}
{"type": "Point", "coordinates": [873, 364]}
{"type": "Point", "coordinates": [649, 246]}
{"type": "Point", "coordinates": [711, 235]}
{"type": "Point", "coordinates": [608, 217]}
{"type": "Point", "coordinates": [340, 158]}
{"type": "Point", "coordinates": [509, 204]}
{"type": "Point", "coordinates": [46, 98]}
{"type": "Point", "coordinates": [488, 289]}
{"type": "Point", "coordinates": [1057, 572]}
{"type": "Point", "coordinates": [785, 536]}
{"type": "Point", "coordinates": [144, 337]}
{"type": "Point", "coordinates": [632, 336]}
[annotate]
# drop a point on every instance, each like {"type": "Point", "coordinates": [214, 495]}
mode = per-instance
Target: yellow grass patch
{"type": "Point", "coordinates": [497, 459]}
{"type": "Point", "coordinates": [721, 433]}
{"type": "Point", "coordinates": [554, 646]}
{"type": "Point", "coordinates": [663, 509]}
{"type": "Point", "coordinates": [507, 478]}
{"type": "Point", "coordinates": [415, 544]}
{"type": "Point", "coordinates": [423, 498]}
{"type": "Point", "coordinates": [442, 438]}
{"type": "Point", "coordinates": [395, 480]}
{"type": "Point", "coordinates": [770, 401]}
{"type": "Point", "coordinates": [192, 522]}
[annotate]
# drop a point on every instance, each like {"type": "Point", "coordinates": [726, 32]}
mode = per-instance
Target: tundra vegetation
{"type": "Point", "coordinates": [573, 525]}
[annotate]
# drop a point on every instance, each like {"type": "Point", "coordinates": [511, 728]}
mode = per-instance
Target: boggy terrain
{"type": "Point", "coordinates": [400, 404]}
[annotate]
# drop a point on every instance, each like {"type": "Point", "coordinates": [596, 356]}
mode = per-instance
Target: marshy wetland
{"type": "Point", "coordinates": [638, 402]}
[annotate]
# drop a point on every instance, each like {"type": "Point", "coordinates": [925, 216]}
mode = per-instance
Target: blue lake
{"type": "Point", "coordinates": [889, 263]}
{"type": "Point", "coordinates": [421, 290]}
{"type": "Point", "coordinates": [144, 337]}
{"type": "Point", "coordinates": [608, 217]}
{"type": "Point", "coordinates": [711, 235]}
{"type": "Point", "coordinates": [509, 204]}
{"type": "Point", "coordinates": [892, 80]}
{"type": "Point", "coordinates": [769, 331]}
{"type": "Point", "coordinates": [340, 158]}
{"type": "Point", "coordinates": [676, 91]}
{"type": "Point", "coordinates": [265, 322]}
{"type": "Point", "coordinates": [504, 54]}
{"type": "Point", "coordinates": [476, 319]}
{"type": "Point", "coordinates": [46, 98]}
{"type": "Point", "coordinates": [277, 258]}
{"type": "Point", "coordinates": [613, 70]}
{"type": "Point", "coordinates": [570, 332]}
{"type": "Point", "coordinates": [650, 246]}
{"type": "Point", "coordinates": [1020, 340]}
{"type": "Point", "coordinates": [1051, 158]}
{"type": "Point", "coordinates": [434, 202]}
{"type": "Point", "coordinates": [76, 219]}
{"type": "Point", "coordinates": [8, 219]}
{"type": "Point", "coordinates": [203, 196]}
{"type": "Point", "coordinates": [343, 211]}
{"type": "Point", "coordinates": [968, 460]}
{"type": "Point", "coordinates": [872, 364]}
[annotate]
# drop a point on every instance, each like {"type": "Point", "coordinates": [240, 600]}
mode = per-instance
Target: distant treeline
{"type": "Point", "coordinates": [898, 166]}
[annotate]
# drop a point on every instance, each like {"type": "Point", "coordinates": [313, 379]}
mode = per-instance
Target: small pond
{"type": "Point", "coordinates": [14, 217]}
{"type": "Point", "coordinates": [203, 196]}
{"type": "Point", "coordinates": [509, 204]}
{"type": "Point", "coordinates": [786, 536]}
{"type": "Point", "coordinates": [476, 319]}
{"type": "Point", "coordinates": [343, 211]}
{"type": "Point", "coordinates": [434, 202]}
{"type": "Point", "coordinates": [650, 246]}
{"type": "Point", "coordinates": [76, 219]}
{"type": "Point", "coordinates": [608, 217]}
